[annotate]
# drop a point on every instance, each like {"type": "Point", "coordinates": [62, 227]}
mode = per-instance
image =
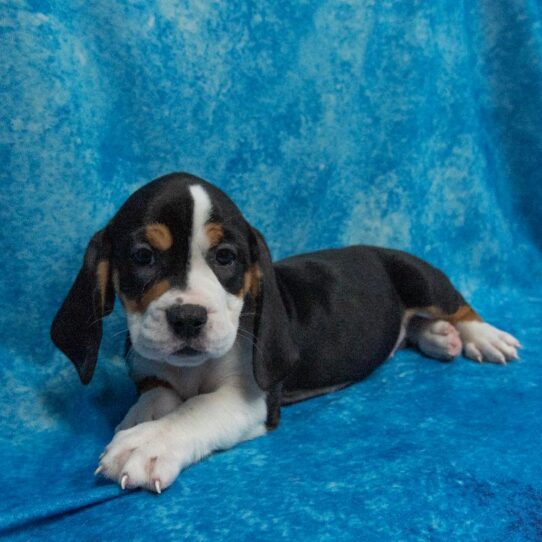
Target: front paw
{"type": "Point", "coordinates": [152, 405]}
{"type": "Point", "coordinates": [143, 456]}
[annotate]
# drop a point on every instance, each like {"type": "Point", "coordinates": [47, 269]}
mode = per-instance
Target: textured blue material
{"type": "Point", "coordinates": [416, 125]}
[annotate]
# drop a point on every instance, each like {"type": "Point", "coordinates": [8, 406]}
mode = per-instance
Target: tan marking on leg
{"type": "Point", "coordinates": [463, 314]}
{"type": "Point", "coordinates": [159, 236]}
{"type": "Point", "coordinates": [102, 275]}
{"type": "Point", "coordinates": [215, 233]}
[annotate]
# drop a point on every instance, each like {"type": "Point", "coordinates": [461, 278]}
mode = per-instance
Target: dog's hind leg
{"type": "Point", "coordinates": [437, 318]}
{"type": "Point", "coordinates": [435, 338]}
{"type": "Point", "coordinates": [445, 336]}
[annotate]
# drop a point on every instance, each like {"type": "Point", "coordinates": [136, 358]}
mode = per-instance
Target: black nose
{"type": "Point", "coordinates": [187, 320]}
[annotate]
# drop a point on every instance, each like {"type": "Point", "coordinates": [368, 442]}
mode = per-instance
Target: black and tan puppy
{"type": "Point", "coordinates": [221, 337]}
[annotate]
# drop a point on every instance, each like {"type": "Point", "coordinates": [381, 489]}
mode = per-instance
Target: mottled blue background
{"type": "Point", "coordinates": [411, 124]}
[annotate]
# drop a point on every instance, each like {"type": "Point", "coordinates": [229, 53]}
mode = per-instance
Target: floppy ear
{"type": "Point", "coordinates": [274, 351]}
{"type": "Point", "coordinates": [77, 327]}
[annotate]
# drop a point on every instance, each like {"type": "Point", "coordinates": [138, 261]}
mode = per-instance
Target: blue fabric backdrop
{"type": "Point", "coordinates": [411, 124]}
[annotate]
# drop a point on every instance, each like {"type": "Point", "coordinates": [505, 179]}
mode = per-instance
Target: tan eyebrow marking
{"type": "Point", "coordinates": [215, 233]}
{"type": "Point", "coordinates": [159, 236]}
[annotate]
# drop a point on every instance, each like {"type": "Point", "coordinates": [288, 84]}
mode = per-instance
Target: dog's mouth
{"type": "Point", "coordinates": [187, 356]}
{"type": "Point", "coordinates": [188, 351]}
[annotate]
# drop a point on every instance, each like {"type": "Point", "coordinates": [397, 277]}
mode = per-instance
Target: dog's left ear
{"type": "Point", "coordinates": [274, 351]}
{"type": "Point", "coordinates": [77, 327]}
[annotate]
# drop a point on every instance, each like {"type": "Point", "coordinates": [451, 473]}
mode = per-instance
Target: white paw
{"type": "Point", "coordinates": [483, 342]}
{"type": "Point", "coordinates": [152, 405]}
{"type": "Point", "coordinates": [439, 339]}
{"type": "Point", "coordinates": [144, 456]}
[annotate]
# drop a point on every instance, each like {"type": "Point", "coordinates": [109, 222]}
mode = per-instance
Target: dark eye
{"type": "Point", "coordinates": [143, 256]}
{"type": "Point", "coordinates": [225, 256]}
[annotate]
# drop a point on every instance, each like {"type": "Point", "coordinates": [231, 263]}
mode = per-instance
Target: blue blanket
{"type": "Point", "coordinates": [415, 125]}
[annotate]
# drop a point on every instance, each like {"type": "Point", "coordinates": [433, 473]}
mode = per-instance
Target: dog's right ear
{"type": "Point", "coordinates": [275, 352]}
{"type": "Point", "coordinates": [77, 327]}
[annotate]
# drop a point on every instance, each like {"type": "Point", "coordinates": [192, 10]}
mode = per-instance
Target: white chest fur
{"type": "Point", "coordinates": [234, 368]}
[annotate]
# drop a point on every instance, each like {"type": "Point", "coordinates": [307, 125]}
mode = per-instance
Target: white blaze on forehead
{"type": "Point", "coordinates": [199, 271]}
{"type": "Point", "coordinates": [201, 214]}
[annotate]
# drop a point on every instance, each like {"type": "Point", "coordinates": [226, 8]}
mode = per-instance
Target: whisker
{"type": "Point", "coordinates": [119, 332]}
{"type": "Point", "coordinates": [97, 320]}
{"type": "Point", "coordinates": [145, 285]}
{"type": "Point", "coordinates": [245, 334]}
{"type": "Point", "coordinates": [130, 351]}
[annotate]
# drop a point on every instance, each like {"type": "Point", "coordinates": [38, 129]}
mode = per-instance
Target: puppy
{"type": "Point", "coordinates": [220, 337]}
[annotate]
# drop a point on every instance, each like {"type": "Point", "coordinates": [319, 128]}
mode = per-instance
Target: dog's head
{"type": "Point", "coordinates": [184, 263]}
